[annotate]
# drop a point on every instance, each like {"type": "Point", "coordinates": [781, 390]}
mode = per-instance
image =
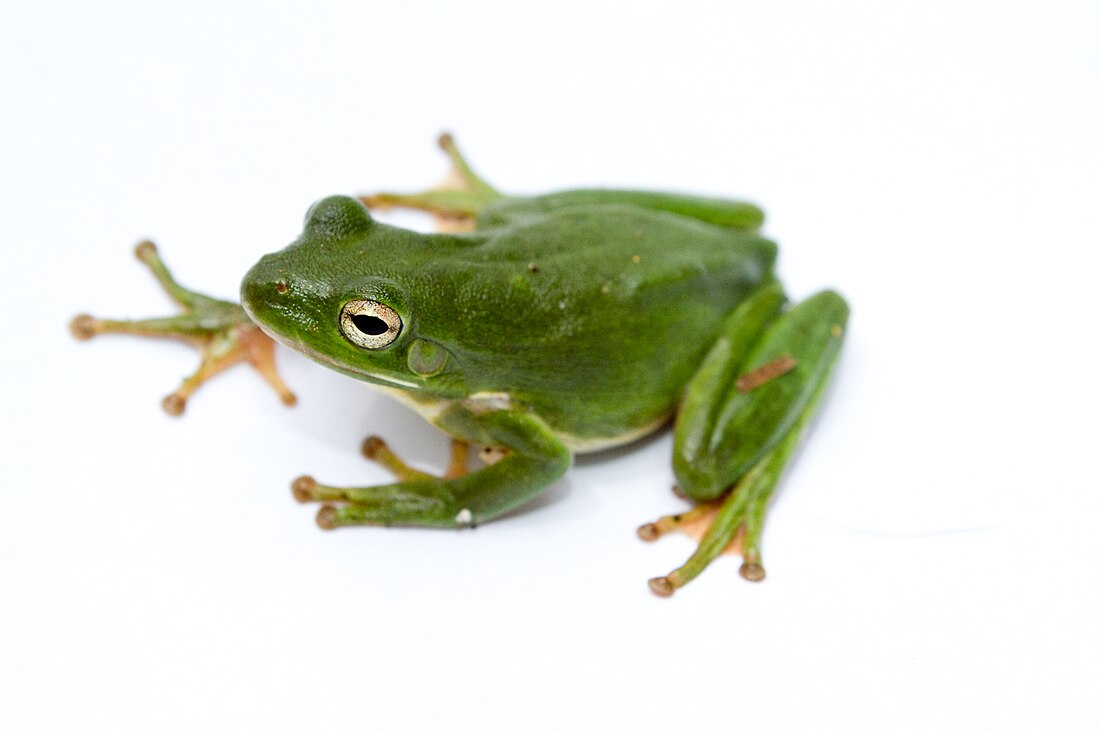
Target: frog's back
{"type": "Point", "coordinates": [722, 212]}
{"type": "Point", "coordinates": [606, 311]}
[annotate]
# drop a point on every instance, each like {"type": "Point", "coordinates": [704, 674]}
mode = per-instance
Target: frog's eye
{"type": "Point", "coordinates": [369, 324]}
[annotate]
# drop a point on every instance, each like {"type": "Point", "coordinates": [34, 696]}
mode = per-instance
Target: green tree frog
{"type": "Point", "coordinates": [553, 325]}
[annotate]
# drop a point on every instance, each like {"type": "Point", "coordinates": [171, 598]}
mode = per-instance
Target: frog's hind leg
{"type": "Point", "coordinates": [455, 202]}
{"type": "Point", "coordinates": [742, 418]}
{"type": "Point", "coordinates": [221, 330]}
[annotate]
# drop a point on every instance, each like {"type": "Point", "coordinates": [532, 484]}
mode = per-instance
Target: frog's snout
{"type": "Point", "coordinates": [285, 306]}
{"type": "Point", "coordinates": [263, 287]}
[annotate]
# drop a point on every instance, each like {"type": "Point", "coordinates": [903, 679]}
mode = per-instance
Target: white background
{"type": "Point", "coordinates": [931, 557]}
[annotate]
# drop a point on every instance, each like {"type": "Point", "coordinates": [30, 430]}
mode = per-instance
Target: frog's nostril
{"type": "Point", "coordinates": [281, 287]}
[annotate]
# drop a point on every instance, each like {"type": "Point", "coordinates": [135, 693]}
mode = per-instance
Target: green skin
{"type": "Point", "coordinates": [563, 323]}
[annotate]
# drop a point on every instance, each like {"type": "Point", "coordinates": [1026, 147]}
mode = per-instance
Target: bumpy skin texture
{"type": "Point", "coordinates": [593, 316]}
{"type": "Point", "coordinates": [564, 322]}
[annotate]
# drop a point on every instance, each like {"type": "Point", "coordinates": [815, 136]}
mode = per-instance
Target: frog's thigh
{"type": "Point", "coordinates": [748, 396]}
{"type": "Point", "coordinates": [743, 437]}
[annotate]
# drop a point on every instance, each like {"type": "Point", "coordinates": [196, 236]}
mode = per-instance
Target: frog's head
{"type": "Point", "coordinates": [341, 295]}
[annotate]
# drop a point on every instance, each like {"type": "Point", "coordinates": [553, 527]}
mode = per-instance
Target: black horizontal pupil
{"type": "Point", "coordinates": [370, 325]}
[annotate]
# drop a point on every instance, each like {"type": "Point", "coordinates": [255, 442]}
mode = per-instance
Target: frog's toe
{"type": "Point", "coordinates": [306, 489]}
{"type": "Point", "coordinates": [751, 569]}
{"type": "Point", "coordinates": [420, 503]}
{"type": "Point", "coordinates": [302, 488]}
{"type": "Point", "coordinates": [662, 586]}
{"type": "Point", "coordinates": [694, 523]}
{"type": "Point", "coordinates": [376, 449]}
{"type": "Point", "coordinates": [146, 252]}
{"type": "Point", "coordinates": [83, 327]}
{"type": "Point", "coordinates": [455, 202]}
{"type": "Point", "coordinates": [372, 447]}
{"type": "Point", "coordinates": [327, 517]}
{"type": "Point", "coordinates": [174, 404]}
{"type": "Point", "coordinates": [665, 585]}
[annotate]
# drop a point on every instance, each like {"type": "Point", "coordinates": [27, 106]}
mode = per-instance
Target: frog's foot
{"type": "Point", "coordinates": [219, 329]}
{"type": "Point", "coordinates": [742, 417]}
{"type": "Point", "coordinates": [730, 525]}
{"type": "Point", "coordinates": [363, 505]}
{"type": "Point", "coordinates": [455, 202]}
{"type": "Point", "coordinates": [423, 502]}
{"type": "Point", "coordinates": [532, 460]}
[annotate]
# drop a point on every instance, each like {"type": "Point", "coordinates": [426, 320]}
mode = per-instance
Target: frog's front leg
{"type": "Point", "coordinates": [534, 458]}
{"type": "Point", "coordinates": [220, 329]}
{"type": "Point", "coordinates": [375, 449]}
{"type": "Point", "coordinates": [744, 414]}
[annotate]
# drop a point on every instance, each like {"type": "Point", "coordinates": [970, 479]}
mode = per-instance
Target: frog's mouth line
{"type": "Point", "coordinates": [390, 381]}
{"type": "Point", "coordinates": [331, 363]}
